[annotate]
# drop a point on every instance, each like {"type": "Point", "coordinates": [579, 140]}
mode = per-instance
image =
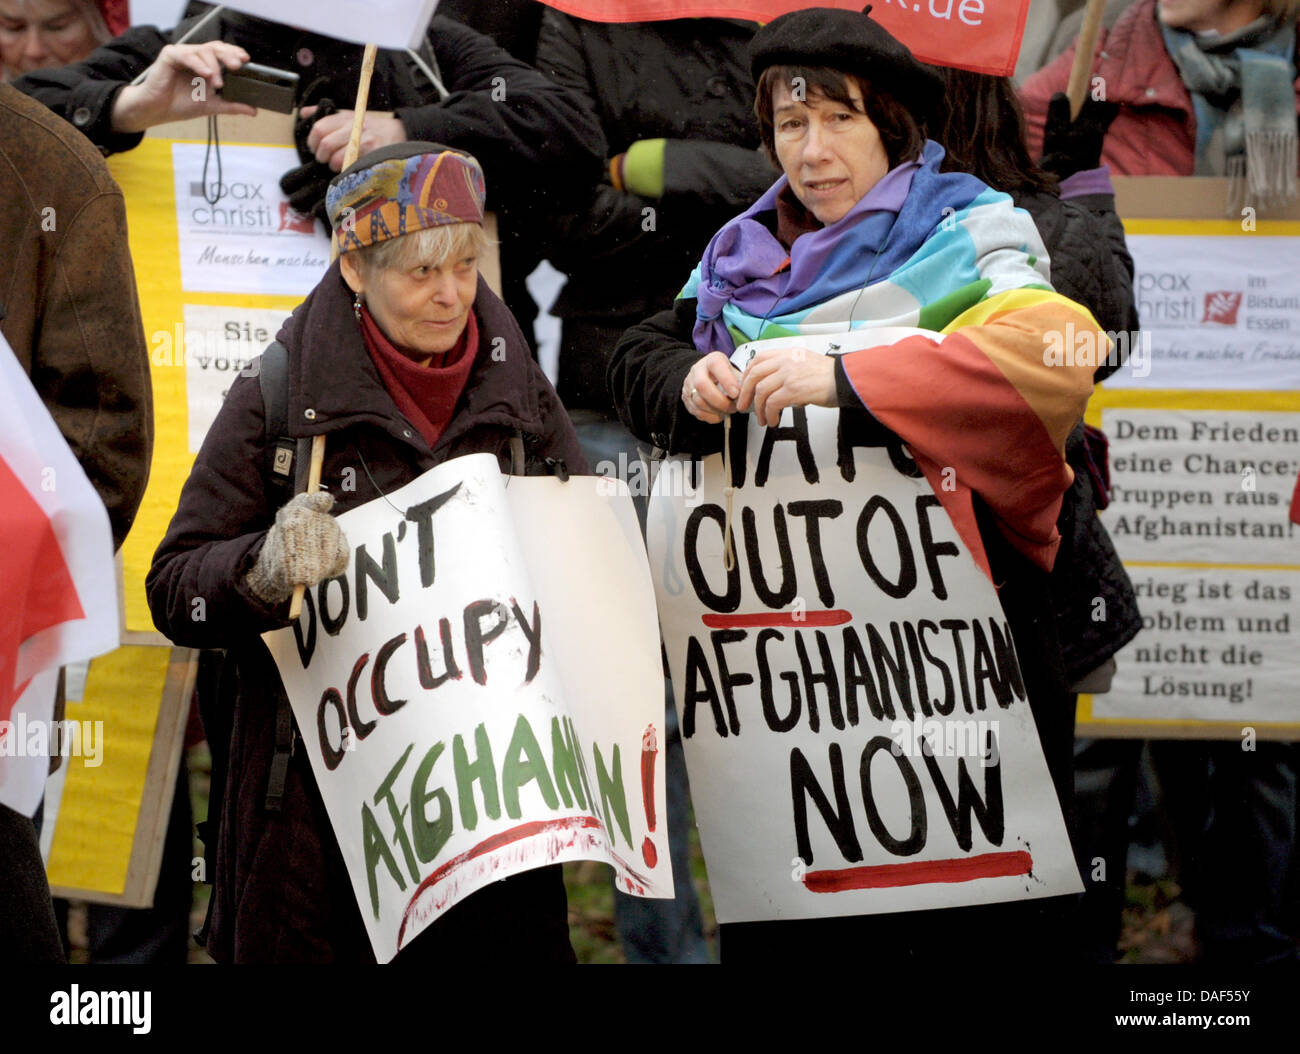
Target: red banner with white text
{"type": "Point", "coordinates": [979, 35]}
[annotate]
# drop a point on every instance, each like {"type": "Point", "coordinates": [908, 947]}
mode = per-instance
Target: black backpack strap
{"type": "Point", "coordinates": [285, 472]}
{"type": "Point", "coordinates": [518, 461]}
{"type": "Point", "coordinates": [281, 448]}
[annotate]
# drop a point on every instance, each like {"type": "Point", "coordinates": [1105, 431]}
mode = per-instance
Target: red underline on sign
{"type": "Point", "coordinates": [920, 872]}
{"type": "Point", "coordinates": [491, 845]}
{"type": "Point", "coordinates": [793, 619]}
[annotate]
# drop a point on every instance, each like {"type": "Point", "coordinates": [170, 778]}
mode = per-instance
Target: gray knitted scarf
{"type": "Point", "coordinates": [1243, 90]}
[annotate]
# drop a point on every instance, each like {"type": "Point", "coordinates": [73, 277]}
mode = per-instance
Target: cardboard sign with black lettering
{"type": "Point", "coordinates": [857, 732]}
{"type": "Point", "coordinates": [481, 692]}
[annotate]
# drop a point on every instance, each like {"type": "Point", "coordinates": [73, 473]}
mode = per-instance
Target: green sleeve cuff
{"type": "Point", "coordinates": [643, 171]}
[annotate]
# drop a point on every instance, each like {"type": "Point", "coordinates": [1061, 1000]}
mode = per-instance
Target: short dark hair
{"type": "Point", "coordinates": [900, 133]}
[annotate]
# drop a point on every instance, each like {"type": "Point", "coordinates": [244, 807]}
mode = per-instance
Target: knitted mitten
{"type": "Point", "coordinates": [305, 546]}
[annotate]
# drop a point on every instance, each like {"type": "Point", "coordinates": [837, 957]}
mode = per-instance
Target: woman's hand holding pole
{"type": "Point", "coordinates": [305, 546]}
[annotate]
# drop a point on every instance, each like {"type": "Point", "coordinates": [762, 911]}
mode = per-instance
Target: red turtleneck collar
{"type": "Point", "coordinates": [426, 395]}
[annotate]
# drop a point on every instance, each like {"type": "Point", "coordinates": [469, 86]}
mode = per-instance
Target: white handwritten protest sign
{"type": "Point", "coordinates": [853, 630]}
{"type": "Point", "coordinates": [480, 693]}
{"type": "Point", "coordinates": [388, 23]}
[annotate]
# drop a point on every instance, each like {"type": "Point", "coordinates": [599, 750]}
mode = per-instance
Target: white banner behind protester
{"type": "Point", "coordinates": [220, 342]}
{"type": "Point", "coordinates": [1198, 511]}
{"type": "Point", "coordinates": [387, 23]}
{"type": "Point", "coordinates": [1217, 312]}
{"type": "Point", "coordinates": [238, 234]}
{"type": "Point", "coordinates": [481, 692]}
{"type": "Point", "coordinates": [854, 628]}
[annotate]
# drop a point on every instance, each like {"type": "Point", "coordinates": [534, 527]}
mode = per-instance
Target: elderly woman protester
{"type": "Point", "coordinates": [863, 229]}
{"type": "Point", "coordinates": [394, 356]}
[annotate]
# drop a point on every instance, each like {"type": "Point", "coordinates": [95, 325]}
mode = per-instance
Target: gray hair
{"type": "Point", "coordinates": [430, 245]}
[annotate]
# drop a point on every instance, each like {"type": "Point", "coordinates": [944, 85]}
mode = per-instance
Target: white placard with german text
{"type": "Point", "coordinates": [250, 240]}
{"type": "Point", "coordinates": [1217, 312]}
{"type": "Point", "coordinates": [1202, 486]}
{"type": "Point", "coordinates": [219, 343]}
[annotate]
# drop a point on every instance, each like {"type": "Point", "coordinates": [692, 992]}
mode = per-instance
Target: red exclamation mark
{"type": "Point", "coordinates": [649, 749]}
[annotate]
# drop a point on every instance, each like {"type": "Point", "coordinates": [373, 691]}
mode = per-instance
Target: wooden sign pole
{"type": "Point", "coordinates": [354, 147]}
{"type": "Point", "coordinates": [1080, 72]}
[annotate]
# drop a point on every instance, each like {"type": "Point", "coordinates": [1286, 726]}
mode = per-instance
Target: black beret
{"type": "Point", "coordinates": [850, 42]}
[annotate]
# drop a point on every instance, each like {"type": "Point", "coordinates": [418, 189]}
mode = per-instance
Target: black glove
{"type": "Point", "coordinates": [305, 185]}
{"type": "Point", "coordinates": [1075, 146]}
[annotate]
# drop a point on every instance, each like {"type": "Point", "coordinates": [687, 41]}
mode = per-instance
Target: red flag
{"type": "Point", "coordinates": [35, 576]}
{"type": "Point", "coordinates": [56, 548]}
{"type": "Point", "coordinates": [979, 35]}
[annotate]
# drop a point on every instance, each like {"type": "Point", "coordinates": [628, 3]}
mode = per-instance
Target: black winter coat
{"type": "Point", "coordinates": [686, 81]}
{"type": "Point", "coordinates": [281, 891]}
{"type": "Point", "coordinates": [533, 139]}
{"type": "Point", "coordinates": [1096, 607]}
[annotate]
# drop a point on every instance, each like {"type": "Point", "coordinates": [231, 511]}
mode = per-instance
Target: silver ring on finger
{"type": "Point", "coordinates": [692, 393]}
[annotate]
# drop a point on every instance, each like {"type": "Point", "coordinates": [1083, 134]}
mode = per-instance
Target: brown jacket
{"type": "Point", "coordinates": [68, 304]}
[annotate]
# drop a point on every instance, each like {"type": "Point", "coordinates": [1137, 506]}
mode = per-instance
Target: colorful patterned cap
{"type": "Point", "coordinates": [401, 189]}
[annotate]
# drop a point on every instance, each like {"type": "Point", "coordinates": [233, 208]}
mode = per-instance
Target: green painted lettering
{"type": "Point", "coordinates": [565, 761]}
{"type": "Point", "coordinates": [429, 836]}
{"type": "Point", "coordinates": [612, 792]}
{"type": "Point", "coordinates": [376, 848]}
{"type": "Point", "coordinates": [523, 763]}
{"type": "Point", "coordinates": [480, 771]}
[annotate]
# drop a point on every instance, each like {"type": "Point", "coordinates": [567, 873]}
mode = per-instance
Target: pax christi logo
{"type": "Point", "coordinates": [293, 220]}
{"type": "Point", "coordinates": [1221, 307]}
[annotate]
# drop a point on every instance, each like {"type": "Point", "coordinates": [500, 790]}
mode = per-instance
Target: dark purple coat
{"type": "Point", "coordinates": [281, 891]}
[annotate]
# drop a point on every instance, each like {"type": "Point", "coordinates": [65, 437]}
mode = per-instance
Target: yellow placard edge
{"type": "Point", "coordinates": [1174, 728]}
{"type": "Point", "coordinates": [1211, 228]}
{"type": "Point", "coordinates": [155, 809]}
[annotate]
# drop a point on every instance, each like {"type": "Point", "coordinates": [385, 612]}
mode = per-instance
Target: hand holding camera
{"type": "Point", "coordinates": [184, 81]}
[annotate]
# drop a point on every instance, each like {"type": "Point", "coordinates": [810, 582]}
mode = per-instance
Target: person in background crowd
{"type": "Point", "coordinates": [68, 308]}
{"type": "Point", "coordinates": [391, 351]}
{"type": "Point", "coordinates": [673, 102]}
{"type": "Point", "coordinates": [35, 34]}
{"type": "Point", "coordinates": [539, 147]}
{"type": "Point", "coordinates": [672, 99]}
{"type": "Point", "coordinates": [1203, 87]}
{"type": "Point", "coordinates": [983, 132]}
{"type": "Point", "coordinates": [1206, 88]}
{"type": "Point", "coordinates": [851, 224]}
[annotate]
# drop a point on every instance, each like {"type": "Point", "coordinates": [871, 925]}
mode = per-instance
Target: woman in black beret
{"type": "Point", "coordinates": [865, 230]}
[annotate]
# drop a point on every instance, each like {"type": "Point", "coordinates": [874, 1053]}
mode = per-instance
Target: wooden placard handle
{"type": "Point", "coordinates": [354, 147]}
{"type": "Point", "coordinates": [1080, 72]}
